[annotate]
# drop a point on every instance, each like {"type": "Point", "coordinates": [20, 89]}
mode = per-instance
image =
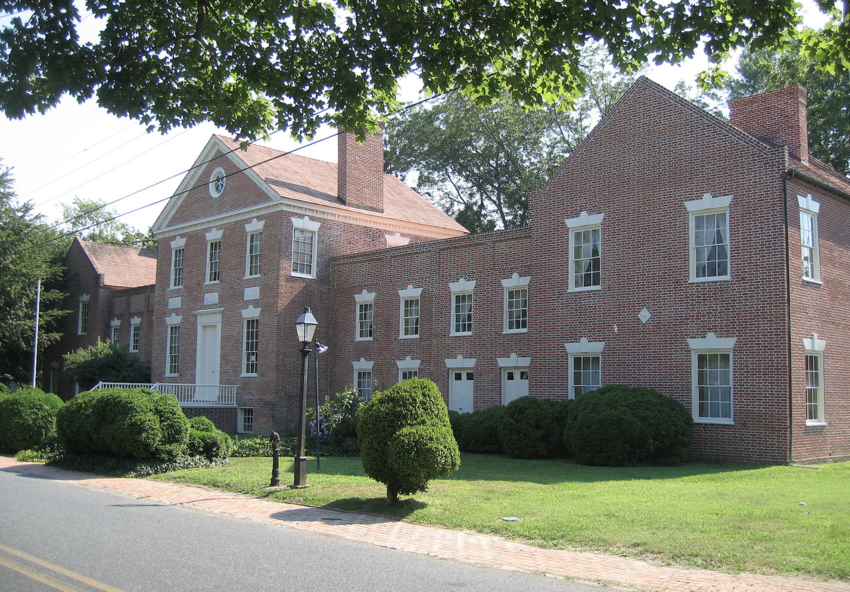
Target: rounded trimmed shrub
{"type": "Point", "coordinates": [405, 437]}
{"type": "Point", "coordinates": [138, 423]}
{"type": "Point", "coordinates": [528, 428]}
{"type": "Point", "coordinates": [27, 419]}
{"type": "Point", "coordinates": [617, 425]}
{"type": "Point", "coordinates": [207, 440]}
{"type": "Point", "coordinates": [481, 431]}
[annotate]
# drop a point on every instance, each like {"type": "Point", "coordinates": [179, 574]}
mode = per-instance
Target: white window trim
{"type": "Point", "coordinates": [410, 293]}
{"type": "Point", "coordinates": [170, 321]}
{"type": "Point", "coordinates": [113, 325]}
{"type": "Point", "coordinates": [310, 226]}
{"type": "Point", "coordinates": [458, 288]}
{"type": "Point", "coordinates": [361, 299]}
{"type": "Point", "coordinates": [84, 299]}
{"type": "Point", "coordinates": [249, 313]}
{"type": "Point", "coordinates": [135, 325]}
{"type": "Point", "coordinates": [407, 364]}
{"type": "Point", "coordinates": [215, 191]}
{"type": "Point", "coordinates": [816, 347]}
{"type": "Point", "coordinates": [708, 205]}
{"type": "Point", "coordinates": [810, 207]}
{"type": "Point", "coordinates": [177, 244]}
{"type": "Point", "coordinates": [251, 228]}
{"type": "Point", "coordinates": [712, 344]}
{"type": "Point", "coordinates": [512, 283]}
{"type": "Point", "coordinates": [213, 236]}
{"type": "Point", "coordinates": [240, 420]}
{"type": "Point", "coordinates": [583, 222]}
{"type": "Point", "coordinates": [364, 366]}
{"type": "Point", "coordinates": [582, 349]}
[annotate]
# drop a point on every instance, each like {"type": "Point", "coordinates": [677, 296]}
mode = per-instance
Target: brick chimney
{"type": "Point", "coordinates": [777, 117]}
{"type": "Point", "coordinates": [361, 171]}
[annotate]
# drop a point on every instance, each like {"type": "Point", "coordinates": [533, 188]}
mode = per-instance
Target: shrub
{"type": "Point", "coordinates": [207, 440]}
{"type": "Point", "coordinates": [528, 428]}
{"type": "Point", "coordinates": [622, 426]}
{"type": "Point", "coordinates": [457, 420]}
{"type": "Point", "coordinates": [481, 431]}
{"type": "Point", "coordinates": [105, 361]}
{"type": "Point", "coordinates": [137, 423]}
{"type": "Point", "coordinates": [561, 413]}
{"type": "Point", "coordinates": [405, 437]}
{"type": "Point", "coordinates": [337, 423]}
{"type": "Point", "coordinates": [27, 419]}
{"type": "Point", "coordinates": [4, 390]}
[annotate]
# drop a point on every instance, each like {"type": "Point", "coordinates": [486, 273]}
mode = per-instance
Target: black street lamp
{"type": "Point", "coordinates": [305, 326]}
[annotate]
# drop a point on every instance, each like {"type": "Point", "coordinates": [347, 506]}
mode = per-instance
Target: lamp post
{"type": "Point", "coordinates": [305, 326]}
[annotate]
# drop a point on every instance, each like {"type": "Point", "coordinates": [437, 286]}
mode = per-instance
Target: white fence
{"type": "Point", "coordinates": [188, 395]}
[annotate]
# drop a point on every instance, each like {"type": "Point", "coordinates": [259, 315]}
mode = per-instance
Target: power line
{"type": "Point", "coordinates": [281, 155]}
{"type": "Point", "coordinates": [73, 156]}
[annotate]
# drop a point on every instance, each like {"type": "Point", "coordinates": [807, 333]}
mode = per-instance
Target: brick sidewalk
{"type": "Point", "coordinates": [456, 545]}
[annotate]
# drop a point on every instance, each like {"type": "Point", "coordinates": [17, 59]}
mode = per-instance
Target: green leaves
{"type": "Point", "coordinates": [293, 64]}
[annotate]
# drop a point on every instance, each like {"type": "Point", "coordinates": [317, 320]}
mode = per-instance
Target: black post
{"type": "Point", "coordinates": [275, 460]}
{"type": "Point", "coordinates": [300, 468]}
{"type": "Point", "coordinates": [318, 423]}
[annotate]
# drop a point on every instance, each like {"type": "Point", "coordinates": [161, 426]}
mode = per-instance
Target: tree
{"type": "Point", "coordinates": [277, 64]}
{"type": "Point", "coordinates": [93, 222]}
{"type": "Point", "coordinates": [405, 437]}
{"type": "Point", "coordinates": [762, 70]}
{"type": "Point", "coordinates": [105, 361]}
{"type": "Point", "coordinates": [28, 252]}
{"type": "Point", "coordinates": [480, 163]}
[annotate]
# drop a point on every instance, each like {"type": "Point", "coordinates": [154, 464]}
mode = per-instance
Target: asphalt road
{"type": "Point", "coordinates": [59, 536]}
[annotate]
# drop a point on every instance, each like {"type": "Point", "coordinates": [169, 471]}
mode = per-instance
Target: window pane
{"type": "Point", "coordinates": [302, 252]}
{"type": "Point", "coordinates": [410, 314]}
{"type": "Point", "coordinates": [365, 312]}
{"type": "Point", "coordinates": [714, 385]}
{"type": "Point", "coordinates": [214, 256]}
{"type": "Point", "coordinates": [463, 313]}
{"type": "Point", "coordinates": [711, 254]}
{"type": "Point", "coordinates": [252, 342]}
{"type": "Point", "coordinates": [255, 247]}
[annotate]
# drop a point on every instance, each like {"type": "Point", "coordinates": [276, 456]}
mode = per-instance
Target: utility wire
{"type": "Point", "coordinates": [281, 155]}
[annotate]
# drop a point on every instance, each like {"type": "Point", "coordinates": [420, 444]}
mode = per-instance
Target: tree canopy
{"type": "Point", "coordinates": [293, 64]}
{"type": "Point", "coordinates": [762, 70]}
{"type": "Point", "coordinates": [480, 163]}
{"type": "Point", "coordinates": [92, 221]}
{"type": "Point", "coordinates": [25, 258]}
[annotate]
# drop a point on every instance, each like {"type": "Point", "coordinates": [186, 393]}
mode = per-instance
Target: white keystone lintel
{"type": "Point", "coordinates": [460, 362]}
{"type": "Point", "coordinates": [514, 361]}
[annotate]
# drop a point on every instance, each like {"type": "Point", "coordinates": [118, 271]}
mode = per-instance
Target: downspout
{"type": "Point", "coordinates": [785, 178]}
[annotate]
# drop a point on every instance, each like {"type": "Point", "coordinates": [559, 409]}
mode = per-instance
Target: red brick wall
{"type": "Point", "coordinates": [361, 171]}
{"type": "Point", "coordinates": [824, 309]}
{"type": "Point", "coordinates": [777, 117]}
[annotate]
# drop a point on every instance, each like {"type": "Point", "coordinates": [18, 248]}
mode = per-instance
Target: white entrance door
{"type": "Point", "coordinates": [514, 384]}
{"type": "Point", "coordinates": [461, 386]}
{"type": "Point", "coordinates": [208, 359]}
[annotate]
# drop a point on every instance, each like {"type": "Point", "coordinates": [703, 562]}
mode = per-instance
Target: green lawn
{"type": "Point", "coordinates": [731, 517]}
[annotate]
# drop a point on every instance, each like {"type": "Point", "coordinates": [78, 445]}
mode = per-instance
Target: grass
{"type": "Point", "coordinates": [727, 517]}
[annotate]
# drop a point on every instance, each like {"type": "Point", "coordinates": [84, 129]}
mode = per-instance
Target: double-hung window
{"type": "Point", "coordinates": [515, 317]}
{"type": "Point", "coordinates": [250, 340]}
{"type": "Point", "coordinates": [114, 331]}
{"type": "Point", "coordinates": [213, 256]}
{"type": "Point", "coordinates": [304, 246]}
{"type": "Point", "coordinates": [83, 316]}
{"type": "Point", "coordinates": [809, 209]}
{"type": "Point", "coordinates": [712, 378]}
{"type": "Point", "coordinates": [407, 368]}
{"type": "Point", "coordinates": [363, 378]}
{"type": "Point", "coordinates": [585, 252]}
{"type": "Point", "coordinates": [254, 247]}
{"type": "Point", "coordinates": [177, 262]}
{"type": "Point", "coordinates": [814, 348]}
{"type": "Point", "coordinates": [709, 238]}
{"type": "Point", "coordinates": [409, 312]}
{"type": "Point", "coordinates": [172, 348]}
{"type": "Point", "coordinates": [135, 333]}
{"type": "Point", "coordinates": [365, 302]}
{"type": "Point", "coordinates": [461, 306]}
{"type": "Point", "coordinates": [585, 366]}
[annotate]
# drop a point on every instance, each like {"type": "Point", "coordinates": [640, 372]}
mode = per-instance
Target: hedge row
{"type": "Point", "coordinates": [136, 423]}
{"type": "Point", "coordinates": [616, 426]}
{"type": "Point", "coordinates": [27, 418]}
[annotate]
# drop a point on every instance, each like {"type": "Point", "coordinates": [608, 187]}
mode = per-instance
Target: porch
{"type": "Point", "coordinates": [188, 395]}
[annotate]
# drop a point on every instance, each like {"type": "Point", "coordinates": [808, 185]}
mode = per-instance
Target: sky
{"type": "Point", "coordinates": [82, 151]}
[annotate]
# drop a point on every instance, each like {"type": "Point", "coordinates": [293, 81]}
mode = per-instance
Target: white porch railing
{"type": "Point", "coordinates": [188, 395]}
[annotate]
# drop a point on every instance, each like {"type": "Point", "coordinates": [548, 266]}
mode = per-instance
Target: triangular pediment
{"type": "Point", "coordinates": [196, 198]}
